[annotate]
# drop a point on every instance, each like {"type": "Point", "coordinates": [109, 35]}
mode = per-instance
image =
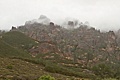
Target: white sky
{"type": "Point", "coordinates": [101, 14]}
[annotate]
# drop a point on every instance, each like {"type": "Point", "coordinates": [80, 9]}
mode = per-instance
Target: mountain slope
{"type": "Point", "coordinates": [10, 51]}
{"type": "Point", "coordinates": [15, 44]}
{"type": "Point", "coordinates": [18, 40]}
{"type": "Point", "coordinates": [84, 47]}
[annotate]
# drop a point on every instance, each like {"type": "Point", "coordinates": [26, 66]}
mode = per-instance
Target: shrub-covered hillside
{"type": "Point", "coordinates": [15, 44]}
{"type": "Point", "coordinates": [18, 40]}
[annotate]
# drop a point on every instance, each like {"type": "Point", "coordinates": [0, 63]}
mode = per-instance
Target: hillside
{"type": "Point", "coordinates": [16, 62]}
{"type": "Point", "coordinates": [15, 44]}
{"type": "Point", "coordinates": [82, 52]}
{"type": "Point", "coordinates": [18, 40]}
{"type": "Point", "coordinates": [16, 69]}
{"type": "Point", "coordinates": [10, 51]}
{"type": "Point", "coordinates": [83, 47]}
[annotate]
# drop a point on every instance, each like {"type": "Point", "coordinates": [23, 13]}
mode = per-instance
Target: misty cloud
{"type": "Point", "coordinates": [101, 14]}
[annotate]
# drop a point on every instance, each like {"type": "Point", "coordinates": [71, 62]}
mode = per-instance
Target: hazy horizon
{"type": "Point", "coordinates": [101, 14]}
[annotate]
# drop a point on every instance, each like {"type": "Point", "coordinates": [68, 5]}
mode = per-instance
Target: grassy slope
{"type": "Point", "coordinates": [24, 70]}
{"type": "Point", "coordinates": [9, 51]}
{"type": "Point", "coordinates": [18, 40]}
{"type": "Point", "coordinates": [15, 44]}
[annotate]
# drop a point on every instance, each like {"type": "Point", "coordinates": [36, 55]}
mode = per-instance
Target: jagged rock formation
{"type": "Point", "coordinates": [13, 28]}
{"type": "Point", "coordinates": [71, 23]}
{"type": "Point", "coordinates": [84, 44]}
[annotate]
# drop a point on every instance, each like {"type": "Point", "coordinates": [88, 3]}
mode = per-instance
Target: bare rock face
{"type": "Point", "coordinates": [71, 23]}
{"type": "Point", "coordinates": [51, 24]}
{"type": "Point", "coordinates": [13, 28]}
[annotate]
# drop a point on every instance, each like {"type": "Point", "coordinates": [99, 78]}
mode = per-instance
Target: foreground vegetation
{"type": "Point", "coordinates": [12, 68]}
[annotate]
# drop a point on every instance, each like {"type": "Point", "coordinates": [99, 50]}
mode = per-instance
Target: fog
{"type": "Point", "coordinates": [101, 14]}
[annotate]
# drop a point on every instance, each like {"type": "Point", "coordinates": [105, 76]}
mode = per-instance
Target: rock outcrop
{"type": "Point", "coordinates": [84, 44]}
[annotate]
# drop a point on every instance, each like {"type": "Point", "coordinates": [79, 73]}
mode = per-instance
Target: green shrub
{"type": "Point", "coordinates": [102, 70]}
{"type": "Point", "coordinates": [46, 77]}
{"type": "Point", "coordinates": [107, 70]}
{"type": "Point", "coordinates": [9, 67]}
{"type": "Point", "coordinates": [54, 68]}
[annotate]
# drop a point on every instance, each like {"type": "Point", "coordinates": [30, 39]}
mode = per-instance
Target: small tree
{"type": "Point", "coordinates": [103, 70]}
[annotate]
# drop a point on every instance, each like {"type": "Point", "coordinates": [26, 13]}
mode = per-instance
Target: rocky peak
{"type": "Point", "coordinates": [51, 24]}
{"type": "Point", "coordinates": [42, 20]}
{"type": "Point", "coordinates": [13, 28]}
{"type": "Point", "coordinates": [70, 23]}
